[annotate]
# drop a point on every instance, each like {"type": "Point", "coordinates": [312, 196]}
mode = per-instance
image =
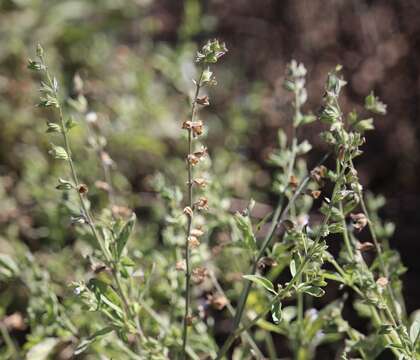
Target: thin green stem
{"type": "Point", "coordinates": [278, 218]}
{"type": "Point", "coordinates": [189, 224]}
{"type": "Point", "coordinates": [85, 208]}
{"type": "Point", "coordinates": [286, 291]}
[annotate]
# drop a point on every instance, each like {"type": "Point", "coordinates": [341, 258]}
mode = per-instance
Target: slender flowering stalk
{"type": "Point", "coordinates": [50, 98]}
{"type": "Point", "coordinates": [209, 54]}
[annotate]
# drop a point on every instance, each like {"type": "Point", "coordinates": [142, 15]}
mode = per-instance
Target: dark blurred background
{"type": "Point", "coordinates": [135, 59]}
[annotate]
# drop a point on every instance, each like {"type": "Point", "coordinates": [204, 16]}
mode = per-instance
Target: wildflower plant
{"type": "Point", "coordinates": [167, 302]}
{"type": "Point", "coordinates": [209, 54]}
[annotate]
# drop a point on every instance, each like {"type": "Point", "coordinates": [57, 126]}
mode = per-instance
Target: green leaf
{"type": "Point", "coordinates": [58, 152]}
{"type": "Point", "coordinates": [260, 280]}
{"type": "Point", "coordinates": [53, 128]}
{"type": "Point", "coordinates": [8, 267]}
{"type": "Point", "coordinates": [415, 331]}
{"type": "Point", "coordinates": [124, 234]}
{"type": "Point", "coordinates": [385, 329]}
{"type": "Point", "coordinates": [64, 185]}
{"type": "Point", "coordinates": [292, 268]}
{"type": "Point", "coordinates": [364, 125]}
{"type": "Point", "coordinates": [336, 228]}
{"type": "Point", "coordinates": [43, 349]}
{"type": "Point", "coordinates": [373, 104]}
{"type": "Point", "coordinates": [84, 344]}
{"type": "Point", "coordinates": [244, 225]}
{"type": "Point", "coordinates": [276, 312]}
{"type": "Point", "coordinates": [315, 291]}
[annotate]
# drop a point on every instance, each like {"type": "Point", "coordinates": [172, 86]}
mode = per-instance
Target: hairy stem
{"type": "Point", "coordinates": [189, 224]}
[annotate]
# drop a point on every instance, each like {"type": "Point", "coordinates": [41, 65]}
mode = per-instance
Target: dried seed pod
{"type": "Point", "coordinates": [197, 232]}
{"type": "Point", "coordinates": [199, 274]}
{"type": "Point", "coordinates": [120, 211]}
{"type": "Point", "coordinates": [192, 159]}
{"type": "Point", "coordinates": [102, 185]}
{"type": "Point", "coordinates": [203, 101]}
{"type": "Point", "coordinates": [359, 221]}
{"type": "Point", "coordinates": [318, 174]}
{"type": "Point", "coordinates": [202, 203]}
{"type": "Point", "coordinates": [193, 242]}
{"type": "Point", "coordinates": [366, 246]}
{"type": "Point", "coordinates": [188, 211]}
{"type": "Point", "coordinates": [181, 265]}
{"type": "Point", "coordinates": [288, 224]}
{"type": "Point", "coordinates": [218, 301]}
{"type": "Point", "coordinates": [266, 262]}
{"type": "Point", "coordinates": [200, 182]}
{"type": "Point", "coordinates": [382, 282]}
{"type": "Point", "coordinates": [82, 189]}
{"type": "Point", "coordinates": [293, 182]}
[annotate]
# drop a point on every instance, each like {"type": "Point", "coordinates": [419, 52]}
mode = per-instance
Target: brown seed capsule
{"type": "Point", "coordinates": [382, 282]}
{"type": "Point", "coordinates": [15, 321]}
{"type": "Point", "coordinates": [218, 301]}
{"type": "Point", "coordinates": [192, 159]}
{"type": "Point", "coordinates": [293, 182]}
{"type": "Point", "coordinates": [359, 221]}
{"type": "Point", "coordinates": [188, 211]}
{"type": "Point", "coordinates": [288, 224]}
{"type": "Point", "coordinates": [197, 232]}
{"type": "Point", "coordinates": [189, 320]}
{"type": "Point", "coordinates": [193, 242]}
{"type": "Point", "coordinates": [106, 159]}
{"type": "Point", "coordinates": [197, 128]}
{"type": "Point", "coordinates": [181, 265]}
{"type": "Point", "coordinates": [266, 262]}
{"type": "Point", "coordinates": [82, 189]}
{"type": "Point", "coordinates": [102, 185]}
{"type": "Point", "coordinates": [202, 203]}
{"type": "Point", "coordinates": [201, 153]}
{"type": "Point", "coordinates": [120, 211]}
{"type": "Point", "coordinates": [315, 194]}
{"type": "Point", "coordinates": [199, 274]}
{"type": "Point", "coordinates": [203, 101]}
{"type": "Point", "coordinates": [319, 173]}
{"type": "Point", "coordinates": [366, 246]}
{"type": "Point", "coordinates": [200, 182]}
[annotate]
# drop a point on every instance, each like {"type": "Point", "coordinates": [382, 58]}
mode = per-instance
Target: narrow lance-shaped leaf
{"type": "Point", "coordinates": [260, 280]}
{"type": "Point", "coordinates": [245, 227]}
{"type": "Point", "coordinates": [124, 234]}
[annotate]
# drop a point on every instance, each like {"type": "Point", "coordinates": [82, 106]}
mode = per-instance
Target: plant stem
{"type": "Point", "coordinates": [85, 207]}
{"type": "Point", "coordinates": [277, 219]}
{"type": "Point", "coordinates": [285, 291]}
{"type": "Point", "coordinates": [246, 336]}
{"type": "Point", "coordinates": [382, 266]}
{"type": "Point", "coordinates": [189, 224]}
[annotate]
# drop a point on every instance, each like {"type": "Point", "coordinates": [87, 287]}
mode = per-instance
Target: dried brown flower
{"type": "Point", "coordinates": [218, 301]}
{"type": "Point", "coordinates": [359, 221]}
{"type": "Point", "coordinates": [199, 274]}
{"type": "Point", "coordinates": [193, 242]}
{"type": "Point", "coordinates": [202, 203]}
{"type": "Point", "coordinates": [102, 185]}
{"type": "Point", "coordinates": [121, 211]}
{"type": "Point", "coordinates": [82, 189]}
{"type": "Point", "coordinates": [266, 262]}
{"type": "Point", "coordinates": [318, 174]}
{"type": "Point", "coordinates": [366, 246]}
{"type": "Point", "coordinates": [293, 182]}
{"type": "Point", "coordinates": [382, 282]}
{"type": "Point", "coordinates": [203, 101]}
{"type": "Point", "coordinates": [188, 211]}
{"type": "Point", "coordinates": [200, 182]}
{"type": "Point", "coordinates": [197, 232]}
{"type": "Point", "coordinates": [180, 265]}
